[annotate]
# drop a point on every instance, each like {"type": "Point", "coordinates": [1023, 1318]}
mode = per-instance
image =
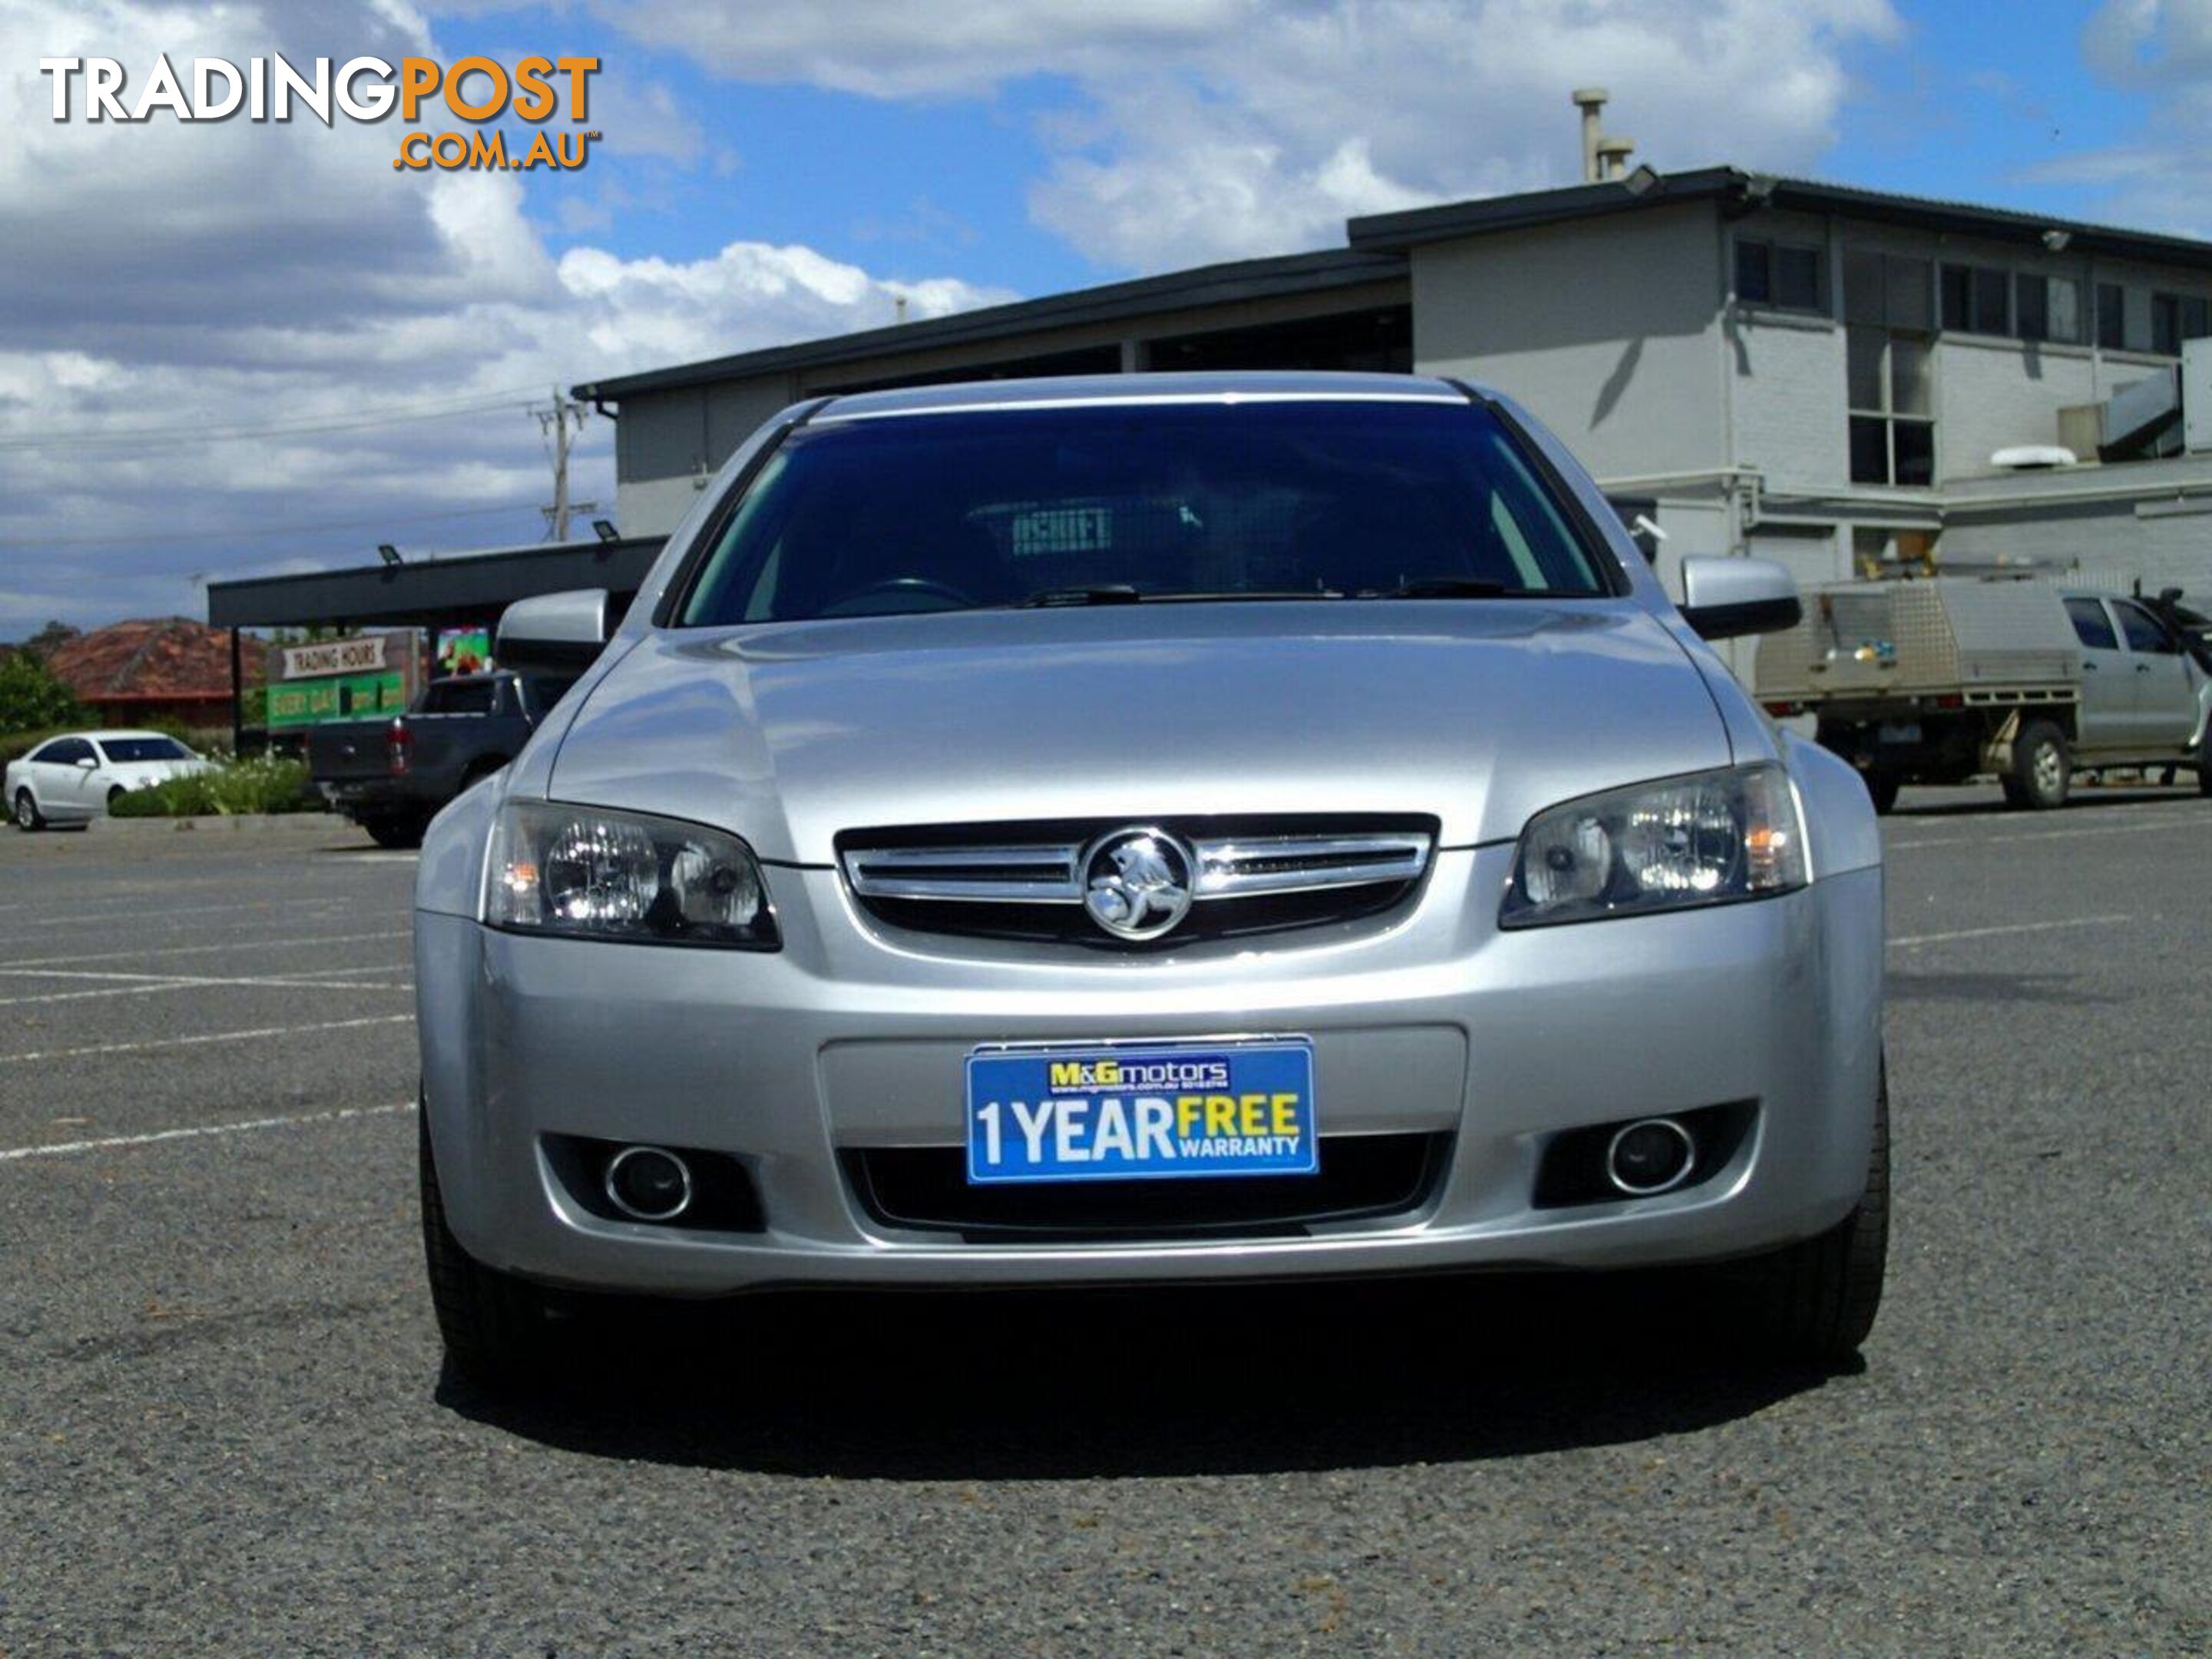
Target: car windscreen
{"type": "Point", "coordinates": [144, 749]}
{"type": "Point", "coordinates": [961, 510]}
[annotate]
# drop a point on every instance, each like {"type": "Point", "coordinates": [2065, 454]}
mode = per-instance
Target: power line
{"type": "Point", "coordinates": [156, 437]}
{"type": "Point", "coordinates": [156, 539]}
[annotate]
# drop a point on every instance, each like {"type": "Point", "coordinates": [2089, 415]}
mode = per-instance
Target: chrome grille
{"type": "Point", "coordinates": [1029, 881]}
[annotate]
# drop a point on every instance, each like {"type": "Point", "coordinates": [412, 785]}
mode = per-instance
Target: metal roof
{"type": "Point", "coordinates": [1377, 250]}
{"type": "Point", "coordinates": [1740, 191]}
{"type": "Point", "coordinates": [1242, 279]}
{"type": "Point", "coordinates": [431, 590]}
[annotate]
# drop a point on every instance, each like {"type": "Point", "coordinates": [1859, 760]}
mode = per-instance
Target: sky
{"type": "Point", "coordinates": [231, 349]}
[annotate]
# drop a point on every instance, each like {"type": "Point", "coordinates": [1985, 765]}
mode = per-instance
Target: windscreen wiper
{"type": "Point", "coordinates": [1446, 587]}
{"type": "Point", "coordinates": [1101, 593]}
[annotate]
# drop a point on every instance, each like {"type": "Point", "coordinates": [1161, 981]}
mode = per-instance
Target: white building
{"type": "Point", "coordinates": [1799, 370]}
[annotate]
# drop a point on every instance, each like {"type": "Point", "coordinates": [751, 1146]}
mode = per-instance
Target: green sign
{"type": "Point", "coordinates": [363, 676]}
{"type": "Point", "coordinates": [347, 696]}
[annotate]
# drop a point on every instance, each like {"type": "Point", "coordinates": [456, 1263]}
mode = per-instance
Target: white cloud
{"type": "Point", "coordinates": [899, 48]}
{"type": "Point", "coordinates": [1222, 128]}
{"type": "Point", "coordinates": [2161, 50]}
{"type": "Point", "coordinates": [207, 283]}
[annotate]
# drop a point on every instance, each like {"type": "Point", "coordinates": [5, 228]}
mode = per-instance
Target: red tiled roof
{"type": "Point", "coordinates": [162, 658]}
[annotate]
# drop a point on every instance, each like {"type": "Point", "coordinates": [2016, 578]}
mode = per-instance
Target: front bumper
{"type": "Point", "coordinates": [1437, 1022]}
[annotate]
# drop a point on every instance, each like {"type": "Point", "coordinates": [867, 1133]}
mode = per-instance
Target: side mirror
{"type": "Point", "coordinates": [1726, 598]}
{"type": "Point", "coordinates": [87, 763]}
{"type": "Point", "coordinates": [553, 630]}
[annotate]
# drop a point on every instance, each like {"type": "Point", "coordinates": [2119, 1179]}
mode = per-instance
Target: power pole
{"type": "Point", "coordinates": [558, 423]}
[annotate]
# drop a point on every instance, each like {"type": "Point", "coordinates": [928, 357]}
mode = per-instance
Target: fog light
{"type": "Point", "coordinates": [1652, 1156]}
{"type": "Point", "coordinates": [648, 1184]}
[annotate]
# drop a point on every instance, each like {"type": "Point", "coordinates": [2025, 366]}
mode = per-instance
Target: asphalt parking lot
{"type": "Point", "coordinates": [225, 1430]}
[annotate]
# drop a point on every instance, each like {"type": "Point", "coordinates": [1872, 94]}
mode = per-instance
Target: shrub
{"type": "Point", "coordinates": [31, 697]}
{"type": "Point", "coordinates": [260, 785]}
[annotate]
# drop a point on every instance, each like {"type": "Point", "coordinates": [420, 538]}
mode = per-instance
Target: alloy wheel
{"type": "Point", "coordinates": [2050, 769]}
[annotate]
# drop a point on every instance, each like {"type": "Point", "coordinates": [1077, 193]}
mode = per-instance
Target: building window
{"type": "Point", "coordinates": [2166, 324]}
{"type": "Point", "coordinates": [1783, 274]}
{"type": "Point", "coordinates": [2065, 305]}
{"type": "Point", "coordinates": [2178, 317]}
{"type": "Point", "coordinates": [1976, 299]}
{"type": "Point", "coordinates": [1983, 300]}
{"type": "Point", "coordinates": [1892, 404]}
{"type": "Point", "coordinates": [1888, 289]}
{"type": "Point", "coordinates": [2111, 317]}
{"type": "Point", "coordinates": [2047, 308]}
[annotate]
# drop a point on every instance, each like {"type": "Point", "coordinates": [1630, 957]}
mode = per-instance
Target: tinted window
{"type": "Point", "coordinates": [1869, 450]}
{"type": "Point", "coordinates": [1797, 277]}
{"type": "Point", "coordinates": [1754, 271]}
{"type": "Point", "coordinates": [66, 751]}
{"type": "Point", "coordinates": [459, 698]}
{"type": "Point", "coordinates": [2111, 316]}
{"type": "Point", "coordinates": [956, 511]}
{"type": "Point", "coordinates": [1958, 285]}
{"type": "Point", "coordinates": [1916, 452]}
{"type": "Point", "coordinates": [2164, 323]}
{"type": "Point", "coordinates": [1772, 273]}
{"type": "Point", "coordinates": [2142, 629]}
{"type": "Point", "coordinates": [144, 749]}
{"type": "Point", "coordinates": [2090, 626]}
{"type": "Point", "coordinates": [1990, 290]}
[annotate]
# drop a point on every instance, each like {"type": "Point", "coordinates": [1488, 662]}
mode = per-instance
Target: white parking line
{"type": "Point", "coordinates": [202, 949]}
{"type": "Point", "coordinates": [63, 1149]}
{"type": "Point", "coordinates": [356, 968]}
{"type": "Point", "coordinates": [142, 917]}
{"type": "Point", "coordinates": [79, 996]}
{"type": "Point", "coordinates": [209, 1036]}
{"type": "Point", "coordinates": [1977, 842]}
{"type": "Point", "coordinates": [2011, 928]}
{"type": "Point", "coordinates": [130, 982]}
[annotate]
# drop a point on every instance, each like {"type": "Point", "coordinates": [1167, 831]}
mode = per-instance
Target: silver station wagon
{"type": "Point", "coordinates": [1149, 828]}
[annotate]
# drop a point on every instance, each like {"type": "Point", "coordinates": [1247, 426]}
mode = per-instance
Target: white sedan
{"type": "Point", "coordinates": [75, 778]}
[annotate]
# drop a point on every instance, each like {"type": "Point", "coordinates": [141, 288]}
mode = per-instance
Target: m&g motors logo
{"type": "Point", "coordinates": [475, 90]}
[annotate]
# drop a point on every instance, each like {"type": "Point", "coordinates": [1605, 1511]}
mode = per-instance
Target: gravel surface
{"type": "Point", "coordinates": [223, 1428]}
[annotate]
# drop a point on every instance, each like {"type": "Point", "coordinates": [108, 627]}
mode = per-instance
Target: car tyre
{"type": "Point", "coordinates": [2204, 779]}
{"type": "Point", "coordinates": [2042, 772]}
{"type": "Point", "coordinates": [28, 816]}
{"type": "Point", "coordinates": [494, 1325]}
{"type": "Point", "coordinates": [1816, 1300]}
{"type": "Point", "coordinates": [395, 832]}
{"type": "Point", "coordinates": [1883, 787]}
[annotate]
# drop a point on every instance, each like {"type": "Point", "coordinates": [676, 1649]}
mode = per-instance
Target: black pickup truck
{"type": "Point", "coordinates": [390, 776]}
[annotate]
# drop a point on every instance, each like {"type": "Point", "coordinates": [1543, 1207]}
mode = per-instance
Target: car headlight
{"type": "Point", "coordinates": [589, 873]}
{"type": "Point", "coordinates": [1709, 838]}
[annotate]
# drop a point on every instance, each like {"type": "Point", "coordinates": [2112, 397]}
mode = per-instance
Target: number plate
{"type": "Point", "coordinates": [1901, 732]}
{"type": "Point", "coordinates": [1165, 1111]}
